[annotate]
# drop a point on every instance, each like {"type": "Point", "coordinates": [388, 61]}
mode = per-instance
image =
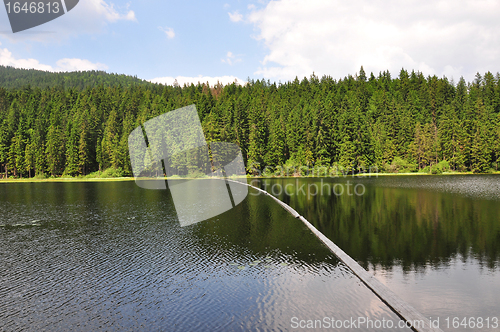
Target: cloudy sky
{"type": "Point", "coordinates": [276, 40]}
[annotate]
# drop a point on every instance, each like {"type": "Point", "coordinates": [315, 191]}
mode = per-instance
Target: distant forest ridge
{"type": "Point", "coordinates": [11, 77]}
{"type": "Point", "coordinates": [407, 123]}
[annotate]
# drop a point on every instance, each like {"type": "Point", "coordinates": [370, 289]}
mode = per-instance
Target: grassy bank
{"type": "Point", "coordinates": [110, 174]}
{"type": "Point", "coordinates": [89, 178]}
{"type": "Point", "coordinates": [67, 179]}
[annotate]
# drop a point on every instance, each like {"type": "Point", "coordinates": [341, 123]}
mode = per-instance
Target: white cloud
{"type": "Point", "coordinates": [78, 65]}
{"type": "Point", "coordinates": [181, 80]}
{"type": "Point", "coordinates": [168, 31]}
{"type": "Point", "coordinates": [101, 8]}
{"type": "Point", "coordinates": [235, 16]}
{"type": "Point", "coordinates": [443, 37]}
{"type": "Point", "coordinates": [231, 58]}
{"type": "Point", "coordinates": [6, 59]}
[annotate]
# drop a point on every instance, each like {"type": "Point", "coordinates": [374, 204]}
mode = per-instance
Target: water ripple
{"type": "Point", "coordinates": [115, 258]}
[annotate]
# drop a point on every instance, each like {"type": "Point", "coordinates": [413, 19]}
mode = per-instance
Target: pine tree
{"type": "Point", "coordinates": [257, 134]}
{"type": "Point", "coordinates": [450, 136]}
{"type": "Point", "coordinates": [110, 140]}
{"type": "Point", "coordinates": [84, 144]}
{"type": "Point", "coordinates": [72, 157]}
{"type": "Point", "coordinates": [482, 147]}
{"type": "Point", "coordinates": [276, 144]}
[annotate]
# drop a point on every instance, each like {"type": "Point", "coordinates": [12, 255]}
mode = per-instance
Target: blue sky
{"type": "Point", "coordinates": [276, 40]}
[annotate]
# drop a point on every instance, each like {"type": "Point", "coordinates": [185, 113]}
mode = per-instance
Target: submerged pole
{"type": "Point", "coordinates": [400, 307]}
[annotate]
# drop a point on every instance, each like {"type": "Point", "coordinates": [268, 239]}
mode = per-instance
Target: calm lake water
{"type": "Point", "coordinates": [112, 256]}
{"type": "Point", "coordinates": [433, 240]}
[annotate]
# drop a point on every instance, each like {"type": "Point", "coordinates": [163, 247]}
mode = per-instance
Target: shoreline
{"type": "Point", "coordinates": [66, 179]}
{"type": "Point", "coordinates": [118, 179]}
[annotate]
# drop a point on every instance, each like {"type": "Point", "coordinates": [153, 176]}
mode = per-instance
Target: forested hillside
{"type": "Point", "coordinates": [397, 124]}
{"type": "Point", "coordinates": [11, 77]}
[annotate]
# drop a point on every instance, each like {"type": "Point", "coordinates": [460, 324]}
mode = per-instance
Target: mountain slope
{"type": "Point", "coordinates": [11, 77]}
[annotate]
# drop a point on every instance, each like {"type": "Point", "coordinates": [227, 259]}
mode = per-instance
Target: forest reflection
{"type": "Point", "coordinates": [394, 224]}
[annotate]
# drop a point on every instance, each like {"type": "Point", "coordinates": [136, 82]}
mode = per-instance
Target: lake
{"type": "Point", "coordinates": [433, 240]}
{"type": "Point", "coordinates": [112, 256]}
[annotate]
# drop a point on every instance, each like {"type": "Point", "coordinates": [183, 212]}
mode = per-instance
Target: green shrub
{"type": "Point", "coordinates": [92, 175]}
{"type": "Point", "coordinates": [112, 173]}
{"type": "Point", "coordinates": [269, 171]}
{"type": "Point", "coordinates": [439, 168]}
{"type": "Point", "coordinates": [436, 170]}
{"type": "Point", "coordinates": [426, 169]}
{"type": "Point", "coordinates": [338, 170]}
{"type": "Point", "coordinates": [292, 167]}
{"type": "Point", "coordinates": [195, 173]}
{"type": "Point", "coordinates": [399, 165]}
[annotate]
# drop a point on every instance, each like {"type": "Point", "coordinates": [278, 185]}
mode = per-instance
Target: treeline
{"type": "Point", "coordinates": [408, 123]}
{"type": "Point", "coordinates": [11, 77]}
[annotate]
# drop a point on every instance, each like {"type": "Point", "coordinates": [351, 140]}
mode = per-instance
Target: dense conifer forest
{"type": "Point", "coordinates": [404, 124]}
{"type": "Point", "coordinates": [17, 78]}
